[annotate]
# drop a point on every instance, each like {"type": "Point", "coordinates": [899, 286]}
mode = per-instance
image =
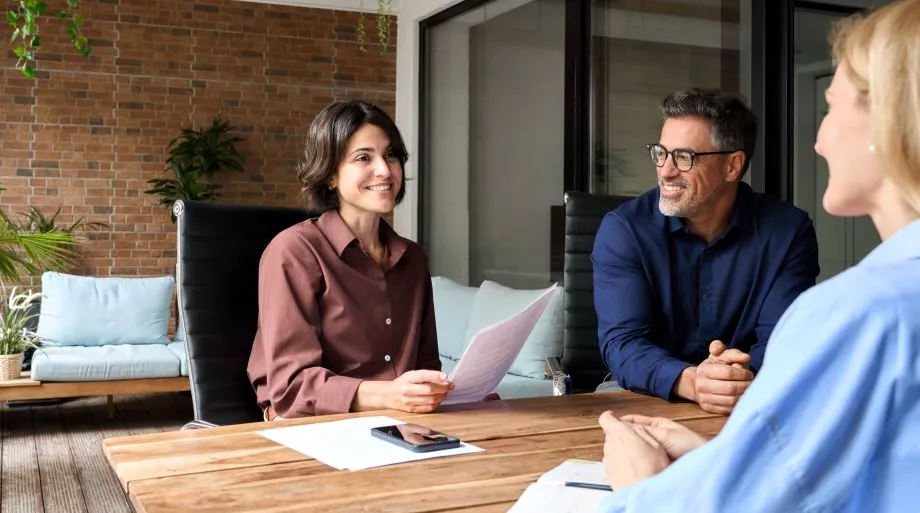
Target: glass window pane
{"type": "Point", "coordinates": [641, 51]}
{"type": "Point", "coordinates": [494, 142]}
{"type": "Point", "coordinates": [842, 242]}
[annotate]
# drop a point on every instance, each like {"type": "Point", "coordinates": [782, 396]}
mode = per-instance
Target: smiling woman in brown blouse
{"type": "Point", "coordinates": [346, 318]}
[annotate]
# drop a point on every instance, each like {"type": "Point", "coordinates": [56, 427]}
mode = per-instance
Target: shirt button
{"type": "Point", "coordinates": [705, 297]}
{"type": "Point", "coordinates": [386, 358]}
{"type": "Point", "coordinates": [389, 321]}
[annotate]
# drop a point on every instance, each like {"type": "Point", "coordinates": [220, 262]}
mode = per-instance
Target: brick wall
{"type": "Point", "coordinates": [88, 133]}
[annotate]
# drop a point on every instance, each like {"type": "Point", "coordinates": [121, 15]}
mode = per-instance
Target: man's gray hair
{"type": "Point", "coordinates": [734, 126]}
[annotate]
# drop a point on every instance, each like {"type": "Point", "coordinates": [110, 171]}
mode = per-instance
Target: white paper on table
{"type": "Point", "coordinates": [551, 498]}
{"type": "Point", "coordinates": [579, 471]}
{"type": "Point", "coordinates": [491, 352]}
{"type": "Point", "coordinates": [348, 444]}
{"type": "Point", "coordinates": [549, 493]}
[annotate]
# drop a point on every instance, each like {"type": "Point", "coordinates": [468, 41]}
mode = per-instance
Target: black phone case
{"type": "Point", "coordinates": [440, 446]}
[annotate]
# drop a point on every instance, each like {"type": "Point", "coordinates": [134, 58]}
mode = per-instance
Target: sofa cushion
{"type": "Point", "coordinates": [452, 306]}
{"type": "Point", "coordinates": [89, 311]}
{"type": "Point", "coordinates": [495, 303]}
{"type": "Point", "coordinates": [178, 348]}
{"type": "Point", "coordinates": [511, 386]}
{"type": "Point", "coordinates": [104, 363]}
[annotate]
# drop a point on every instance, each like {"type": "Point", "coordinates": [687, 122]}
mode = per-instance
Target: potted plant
{"type": "Point", "coordinates": [15, 335]}
{"type": "Point", "coordinates": [194, 157]}
{"type": "Point", "coordinates": [31, 251]}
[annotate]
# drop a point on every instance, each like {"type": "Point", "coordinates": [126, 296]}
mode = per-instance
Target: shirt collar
{"type": "Point", "coordinates": [742, 213]}
{"type": "Point", "coordinates": [341, 237]}
{"type": "Point", "coordinates": [903, 245]}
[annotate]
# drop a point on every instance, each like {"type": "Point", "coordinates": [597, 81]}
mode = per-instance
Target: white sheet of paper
{"type": "Point", "coordinates": [491, 352]}
{"type": "Point", "coordinates": [348, 444]}
{"type": "Point", "coordinates": [551, 498]}
{"type": "Point", "coordinates": [580, 471]}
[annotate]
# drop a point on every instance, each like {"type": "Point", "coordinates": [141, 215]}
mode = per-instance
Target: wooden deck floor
{"type": "Point", "coordinates": [52, 458]}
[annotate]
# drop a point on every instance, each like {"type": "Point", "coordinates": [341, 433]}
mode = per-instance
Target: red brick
{"type": "Point", "coordinates": [88, 134]}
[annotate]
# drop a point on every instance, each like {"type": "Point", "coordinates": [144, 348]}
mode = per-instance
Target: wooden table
{"type": "Point", "coordinates": [233, 469]}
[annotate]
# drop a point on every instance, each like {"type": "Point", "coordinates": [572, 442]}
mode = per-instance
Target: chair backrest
{"type": "Point", "coordinates": [217, 272]}
{"type": "Point", "coordinates": [581, 357]}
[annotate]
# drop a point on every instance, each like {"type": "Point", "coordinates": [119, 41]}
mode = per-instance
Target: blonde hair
{"type": "Point", "coordinates": [882, 51]}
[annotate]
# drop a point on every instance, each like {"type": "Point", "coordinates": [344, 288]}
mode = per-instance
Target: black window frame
{"type": "Point", "coordinates": [772, 70]}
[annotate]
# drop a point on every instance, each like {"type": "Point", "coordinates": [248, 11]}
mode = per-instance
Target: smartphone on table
{"type": "Point", "coordinates": [415, 437]}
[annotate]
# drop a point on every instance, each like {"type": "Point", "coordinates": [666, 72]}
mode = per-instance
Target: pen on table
{"type": "Point", "coordinates": [590, 486]}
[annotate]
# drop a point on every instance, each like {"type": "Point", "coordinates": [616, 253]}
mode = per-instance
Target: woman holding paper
{"type": "Point", "coordinates": [831, 423]}
{"type": "Point", "coordinates": [346, 318]}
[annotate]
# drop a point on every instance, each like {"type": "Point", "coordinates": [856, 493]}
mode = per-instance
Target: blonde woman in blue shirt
{"type": "Point", "coordinates": [832, 422]}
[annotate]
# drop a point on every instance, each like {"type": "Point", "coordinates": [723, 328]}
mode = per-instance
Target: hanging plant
{"type": "Point", "coordinates": [384, 13]}
{"type": "Point", "coordinates": [24, 15]}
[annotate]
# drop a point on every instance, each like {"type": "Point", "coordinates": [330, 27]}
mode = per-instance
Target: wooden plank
{"type": "Point", "coordinates": [233, 468]}
{"type": "Point", "coordinates": [102, 492]}
{"type": "Point", "coordinates": [21, 492]}
{"type": "Point", "coordinates": [60, 486]}
{"type": "Point", "coordinates": [500, 507]}
{"type": "Point", "coordinates": [169, 411]}
{"type": "Point", "coordinates": [207, 450]}
{"type": "Point", "coordinates": [499, 474]}
{"type": "Point", "coordinates": [525, 416]}
{"type": "Point", "coordinates": [134, 416]}
{"type": "Point", "coordinates": [25, 380]}
{"type": "Point", "coordinates": [54, 390]}
{"type": "Point", "coordinates": [495, 477]}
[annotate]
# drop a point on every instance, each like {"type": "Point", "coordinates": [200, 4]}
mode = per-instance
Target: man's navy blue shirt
{"type": "Point", "coordinates": [663, 294]}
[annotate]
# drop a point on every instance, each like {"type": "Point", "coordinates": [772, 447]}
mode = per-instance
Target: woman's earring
{"type": "Point", "coordinates": [871, 148]}
{"type": "Point", "coordinates": [331, 187]}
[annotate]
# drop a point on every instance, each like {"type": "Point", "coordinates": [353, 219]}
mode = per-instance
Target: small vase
{"type": "Point", "coordinates": [10, 366]}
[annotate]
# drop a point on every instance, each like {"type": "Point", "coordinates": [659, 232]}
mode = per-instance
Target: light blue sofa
{"type": "Point", "coordinates": [106, 329]}
{"type": "Point", "coordinates": [461, 311]}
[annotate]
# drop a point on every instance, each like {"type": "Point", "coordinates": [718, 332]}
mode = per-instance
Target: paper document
{"type": "Point", "coordinates": [543, 498]}
{"type": "Point", "coordinates": [578, 471]}
{"type": "Point", "coordinates": [550, 494]}
{"type": "Point", "coordinates": [348, 444]}
{"type": "Point", "coordinates": [491, 352]}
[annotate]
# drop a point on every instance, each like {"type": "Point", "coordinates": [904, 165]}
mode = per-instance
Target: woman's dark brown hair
{"type": "Point", "coordinates": [325, 147]}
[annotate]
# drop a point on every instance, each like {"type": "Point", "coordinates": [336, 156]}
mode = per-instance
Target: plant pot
{"type": "Point", "coordinates": [10, 366]}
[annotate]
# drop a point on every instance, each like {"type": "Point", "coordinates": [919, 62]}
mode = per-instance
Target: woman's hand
{"type": "Point", "coordinates": [676, 439]}
{"type": "Point", "coordinates": [631, 454]}
{"type": "Point", "coordinates": [417, 391]}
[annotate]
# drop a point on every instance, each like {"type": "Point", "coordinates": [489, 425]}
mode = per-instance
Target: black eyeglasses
{"type": "Point", "coordinates": [683, 159]}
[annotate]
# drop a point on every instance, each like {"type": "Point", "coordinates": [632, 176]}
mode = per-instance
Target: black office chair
{"type": "Point", "coordinates": [581, 357]}
{"type": "Point", "coordinates": [217, 273]}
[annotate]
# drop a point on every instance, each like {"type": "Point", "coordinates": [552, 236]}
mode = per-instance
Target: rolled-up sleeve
{"type": "Point", "coordinates": [289, 335]}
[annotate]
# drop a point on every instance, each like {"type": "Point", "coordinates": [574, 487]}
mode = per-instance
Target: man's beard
{"type": "Point", "coordinates": [688, 205]}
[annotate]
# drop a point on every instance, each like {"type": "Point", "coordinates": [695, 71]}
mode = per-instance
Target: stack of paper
{"type": "Point", "coordinates": [491, 352]}
{"type": "Point", "coordinates": [550, 493]}
{"type": "Point", "coordinates": [348, 444]}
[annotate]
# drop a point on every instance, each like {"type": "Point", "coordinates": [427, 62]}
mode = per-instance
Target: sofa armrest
{"type": "Point", "coordinates": [562, 382]}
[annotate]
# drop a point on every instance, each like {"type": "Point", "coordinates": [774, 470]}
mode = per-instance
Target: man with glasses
{"type": "Point", "coordinates": [691, 277]}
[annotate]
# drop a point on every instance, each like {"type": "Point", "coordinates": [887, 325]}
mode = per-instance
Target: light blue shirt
{"type": "Point", "coordinates": [832, 421]}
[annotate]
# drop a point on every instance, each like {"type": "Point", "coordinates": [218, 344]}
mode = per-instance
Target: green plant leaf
{"type": "Point", "coordinates": [19, 51]}
{"type": "Point", "coordinates": [12, 17]}
{"type": "Point", "coordinates": [28, 71]}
